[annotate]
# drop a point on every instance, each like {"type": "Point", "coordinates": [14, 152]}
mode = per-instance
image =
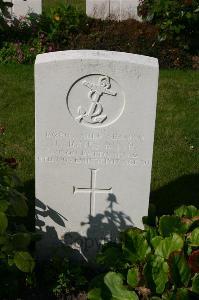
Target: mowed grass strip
{"type": "Point", "coordinates": [175, 173]}
{"type": "Point", "coordinates": [176, 148]}
{"type": "Point", "coordinates": [17, 115]}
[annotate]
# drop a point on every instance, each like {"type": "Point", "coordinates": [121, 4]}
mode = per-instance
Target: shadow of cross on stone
{"type": "Point", "coordinates": [92, 190]}
{"type": "Point", "coordinates": [94, 113]}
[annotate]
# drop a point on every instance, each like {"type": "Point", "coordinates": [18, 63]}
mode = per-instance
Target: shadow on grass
{"type": "Point", "coordinates": [182, 191]}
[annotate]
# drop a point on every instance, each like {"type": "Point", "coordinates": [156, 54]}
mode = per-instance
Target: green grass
{"type": "Point", "coordinates": [17, 115]}
{"type": "Point", "coordinates": [175, 176]}
{"type": "Point", "coordinates": [48, 4]}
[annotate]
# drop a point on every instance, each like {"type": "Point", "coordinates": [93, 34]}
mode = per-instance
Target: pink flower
{"type": "Point", "coordinates": [42, 35]}
{"type": "Point", "coordinates": [2, 130]}
{"type": "Point", "coordinates": [50, 48]}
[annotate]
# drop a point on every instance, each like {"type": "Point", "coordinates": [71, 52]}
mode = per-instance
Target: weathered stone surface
{"type": "Point", "coordinates": [98, 10]}
{"type": "Point", "coordinates": [21, 8]}
{"type": "Point", "coordinates": [95, 120]}
{"type": "Point", "coordinates": [112, 9]}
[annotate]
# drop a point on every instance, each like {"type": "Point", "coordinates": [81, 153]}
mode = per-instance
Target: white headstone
{"type": "Point", "coordinates": [97, 10]}
{"type": "Point", "coordinates": [95, 120]}
{"type": "Point", "coordinates": [112, 9]}
{"type": "Point", "coordinates": [21, 8]}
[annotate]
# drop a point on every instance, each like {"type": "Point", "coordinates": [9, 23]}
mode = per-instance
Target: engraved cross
{"type": "Point", "coordinates": [92, 190]}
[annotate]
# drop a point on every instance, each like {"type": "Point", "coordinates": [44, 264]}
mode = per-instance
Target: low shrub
{"type": "Point", "coordinates": [55, 26]}
{"type": "Point", "coordinates": [178, 21]}
{"type": "Point", "coordinates": [159, 262]}
{"type": "Point", "coordinates": [24, 53]}
{"type": "Point", "coordinates": [16, 260]}
{"type": "Point", "coordinates": [66, 28]}
{"type": "Point", "coordinates": [32, 34]}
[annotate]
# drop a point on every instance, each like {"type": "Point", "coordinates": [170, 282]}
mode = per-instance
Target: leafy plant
{"type": "Point", "coordinates": [61, 275]}
{"type": "Point", "coordinates": [70, 277]}
{"type": "Point", "coordinates": [159, 262]}
{"type": "Point", "coordinates": [63, 21]}
{"type": "Point", "coordinates": [178, 21]}
{"type": "Point", "coordinates": [34, 34]}
{"type": "Point", "coordinates": [15, 239]}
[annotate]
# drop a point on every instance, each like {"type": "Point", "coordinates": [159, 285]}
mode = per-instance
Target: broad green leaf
{"type": "Point", "coordinates": [21, 241]}
{"type": "Point", "coordinates": [179, 294]}
{"type": "Point", "coordinates": [169, 245]}
{"type": "Point", "coordinates": [189, 250]}
{"type": "Point", "coordinates": [133, 277]}
{"type": "Point", "coordinates": [187, 211]}
{"type": "Point", "coordinates": [114, 281]}
{"type": "Point", "coordinates": [135, 245]}
{"type": "Point", "coordinates": [195, 284]}
{"type": "Point", "coordinates": [172, 224]}
{"type": "Point", "coordinates": [94, 294]}
{"type": "Point", "coordinates": [24, 261]}
{"type": "Point", "coordinates": [156, 272]}
{"type": "Point", "coordinates": [3, 222]}
{"type": "Point", "coordinates": [160, 274]}
{"type": "Point", "coordinates": [156, 241]}
{"type": "Point", "coordinates": [179, 269]}
{"type": "Point", "coordinates": [151, 232]}
{"type": "Point", "coordinates": [182, 294]}
{"type": "Point", "coordinates": [194, 237]}
{"type": "Point", "coordinates": [4, 205]}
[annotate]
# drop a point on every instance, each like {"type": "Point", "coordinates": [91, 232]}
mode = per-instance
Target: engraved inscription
{"type": "Point", "coordinates": [101, 106]}
{"type": "Point", "coordinates": [92, 190]}
{"type": "Point", "coordinates": [102, 148]}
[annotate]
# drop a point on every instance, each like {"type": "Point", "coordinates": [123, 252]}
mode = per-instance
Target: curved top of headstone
{"type": "Point", "coordinates": [96, 54]}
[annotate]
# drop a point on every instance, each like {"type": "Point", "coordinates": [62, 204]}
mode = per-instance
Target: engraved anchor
{"type": "Point", "coordinates": [95, 115]}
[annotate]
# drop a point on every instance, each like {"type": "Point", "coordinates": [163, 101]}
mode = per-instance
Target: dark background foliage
{"type": "Point", "coordinates": [169, 32]}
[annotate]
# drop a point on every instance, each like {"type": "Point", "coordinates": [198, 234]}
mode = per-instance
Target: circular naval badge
{"type": "Point", "coordinates": [95, 101]}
